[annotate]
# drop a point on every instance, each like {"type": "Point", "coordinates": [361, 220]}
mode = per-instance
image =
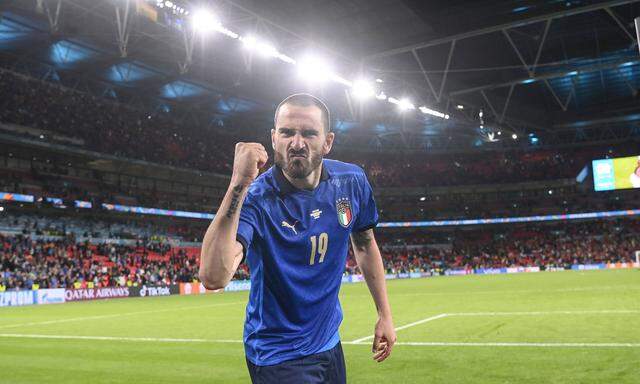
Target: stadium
{"type": "Point", "coordinates": [500, 139]}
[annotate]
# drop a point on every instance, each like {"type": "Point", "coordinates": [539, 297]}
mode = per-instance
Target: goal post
{"type": "Point", "coordinates": [638, 259]}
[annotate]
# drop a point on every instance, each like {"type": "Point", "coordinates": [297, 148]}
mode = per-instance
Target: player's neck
{"type": "Point", "coordinates": [309, 183]}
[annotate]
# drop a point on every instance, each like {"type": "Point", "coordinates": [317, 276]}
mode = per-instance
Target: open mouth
{"type": "Point", "coordinates": [297, 156]}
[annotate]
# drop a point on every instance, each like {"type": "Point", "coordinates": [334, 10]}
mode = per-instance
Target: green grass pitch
{"type": "Point", "coordinates": [548, 327]}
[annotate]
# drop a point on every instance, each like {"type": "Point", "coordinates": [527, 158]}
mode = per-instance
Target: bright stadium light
{"type": "Point", "coordinates": [204, 21]}
{"type": "Point", "coordinates": [314, 70]}
{"type": "Point", "coordinates": [362, 89]}
{"type": "Point", "coordinates": [263, 48]}
{"type": "Point", "coordinates": [381, 96]}
{"type": "Point", "coordinates": [460, 106]}
{"type": "Point", "coordinates": [249, 41]}
{"type": "Point", "coordinates": [405, 104]}
{"type": "Point", "coordinates": [429, 111]}
{"type": "Point", "coordinates": [514, 136]}
{"type": "Point", "coordinates": [267, 49]}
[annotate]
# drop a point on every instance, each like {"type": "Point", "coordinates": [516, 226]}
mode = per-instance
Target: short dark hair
{"type": "Point", "coordinates": [307, 100]}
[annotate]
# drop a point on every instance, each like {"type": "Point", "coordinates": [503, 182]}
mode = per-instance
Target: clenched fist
{"type": "Point", "coordinates": [247, 161]}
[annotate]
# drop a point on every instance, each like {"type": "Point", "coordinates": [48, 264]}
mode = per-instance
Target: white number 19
{"type": "Point", "coordinates": [320, 244]}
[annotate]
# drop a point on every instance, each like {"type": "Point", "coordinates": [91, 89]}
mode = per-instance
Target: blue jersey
{"type": "Point", "coordinates": [296, 243]}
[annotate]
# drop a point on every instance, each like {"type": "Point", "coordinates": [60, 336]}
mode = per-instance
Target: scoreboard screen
{"type": "Point", "coordinates": [619, 173]}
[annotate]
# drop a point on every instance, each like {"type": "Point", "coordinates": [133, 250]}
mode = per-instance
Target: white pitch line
{"type": "Point", "coordinates": [225, 341]}
{"type": "Point", "coordinates": [505, 344]}
{"type": "Point", "coordinates": [543, 313]}
{"type": "Point", "coordinates": [428, 319]}
{"type": "Point", "coordinates": [72, 319]}
{"type": "Point", "coordinates": [117, 338]}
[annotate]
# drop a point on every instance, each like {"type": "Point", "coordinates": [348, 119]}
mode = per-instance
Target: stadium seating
{"type": "Point", "coordinates": [54, 257]}
{"type": "Point", "coordinates": [106, 126]}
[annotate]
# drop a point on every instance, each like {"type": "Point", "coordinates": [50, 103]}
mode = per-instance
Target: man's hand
{"type": "Point", "coordinates": [384, 339]}
{"type": "Point", "coordinates": [247, 161]}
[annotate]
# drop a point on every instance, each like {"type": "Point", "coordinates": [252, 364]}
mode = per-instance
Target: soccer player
{"type": "Point", "coordinates": [293, 224]}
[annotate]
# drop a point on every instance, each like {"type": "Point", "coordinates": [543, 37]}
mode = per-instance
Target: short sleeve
{"type": "Point", "coordinates": [248, 224]}
{"type": "Point", "coordinates": [368, 213]}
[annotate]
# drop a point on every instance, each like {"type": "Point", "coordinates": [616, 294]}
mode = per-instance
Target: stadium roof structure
{"type": "Point", "coordinates": [544, 72]}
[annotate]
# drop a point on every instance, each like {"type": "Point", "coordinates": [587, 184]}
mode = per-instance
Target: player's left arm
{"type": "Point", "coordinates": [369, 260]}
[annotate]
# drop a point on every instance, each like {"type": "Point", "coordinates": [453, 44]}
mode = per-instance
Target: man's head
{"type": "Point", "coordinates": [302, 134]}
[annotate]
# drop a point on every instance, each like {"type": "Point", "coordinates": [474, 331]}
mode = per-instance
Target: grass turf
{"type": "Point", "coordinates": [574, 308]}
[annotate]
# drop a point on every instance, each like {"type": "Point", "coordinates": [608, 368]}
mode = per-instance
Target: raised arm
{"type": "Point", "coordinates": [221, 253]}
{"type": "Point", "coordinates": [369, 260]}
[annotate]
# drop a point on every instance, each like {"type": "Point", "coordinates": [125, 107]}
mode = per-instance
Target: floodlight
{"type": "Point", "coordinates": [314, 69]}
{"type": "Point", "coordinates": [429, 111]}
{"type": "Point", "coordinates": [362, 89]}
{"type": "Point", "coordinates": [204, 21]}
{"type": "Point", "coordinates": [405, 104]}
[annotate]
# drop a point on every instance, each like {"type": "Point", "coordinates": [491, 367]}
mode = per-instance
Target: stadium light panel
{"type": "Point", "coordinates": [381, 96]}
{"type": "Point", "coordinates": [261, 47]}
{"type": "Point", "coordinates": [204, 21]}
{"type": "Point", "coordinates": [249, 42]}
{"type": "Point", "coordinates": [460, 106]}
{"type": "Point", "coordinates": [267, 49]}
{"type": "Point", "coordinates": [405, 104]}
{"type": "Point", "coordinates": [514, 136]}
{"type": "Point", "coordinates": [429, 111]}
{"type": "Point", "coordinates": [313, 69]}
{"type": "Point", "coordinates": [362, 89]}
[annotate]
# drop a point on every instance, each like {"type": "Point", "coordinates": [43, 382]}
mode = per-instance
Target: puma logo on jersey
{"type": "Point", "coordinates": [292, 227]}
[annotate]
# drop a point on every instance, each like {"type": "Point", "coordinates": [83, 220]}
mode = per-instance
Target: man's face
{"type": "Point", "coordinates": [299, 140]}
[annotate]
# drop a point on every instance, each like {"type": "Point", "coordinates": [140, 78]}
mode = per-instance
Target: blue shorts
{"type": "Point", "coordinates": [322, 368]}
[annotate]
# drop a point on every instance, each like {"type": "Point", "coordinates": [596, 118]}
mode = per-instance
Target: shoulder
{"type": "Point", "coordinates": [341, 169]}
{"type": "Point", "coordinates": [261, 188]}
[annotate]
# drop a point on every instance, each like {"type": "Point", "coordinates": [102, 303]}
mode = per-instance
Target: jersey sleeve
{"type": "Point", "coordinates": [248, 224]}
{"type": "Point", "coordinates": [368, 213]}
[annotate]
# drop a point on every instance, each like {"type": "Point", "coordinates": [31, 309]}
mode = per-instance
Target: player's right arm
{"type": "Point", "coordinates": [221, 253]}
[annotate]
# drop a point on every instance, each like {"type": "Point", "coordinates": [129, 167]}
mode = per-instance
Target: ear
{"type": "Point", "coordinates": [328, 143]}
{"type": "Point", "coordinates": [273, 139]}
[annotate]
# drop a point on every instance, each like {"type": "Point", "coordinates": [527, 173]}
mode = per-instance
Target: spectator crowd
{"type": "Point", "coordinates": [28, 261]}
